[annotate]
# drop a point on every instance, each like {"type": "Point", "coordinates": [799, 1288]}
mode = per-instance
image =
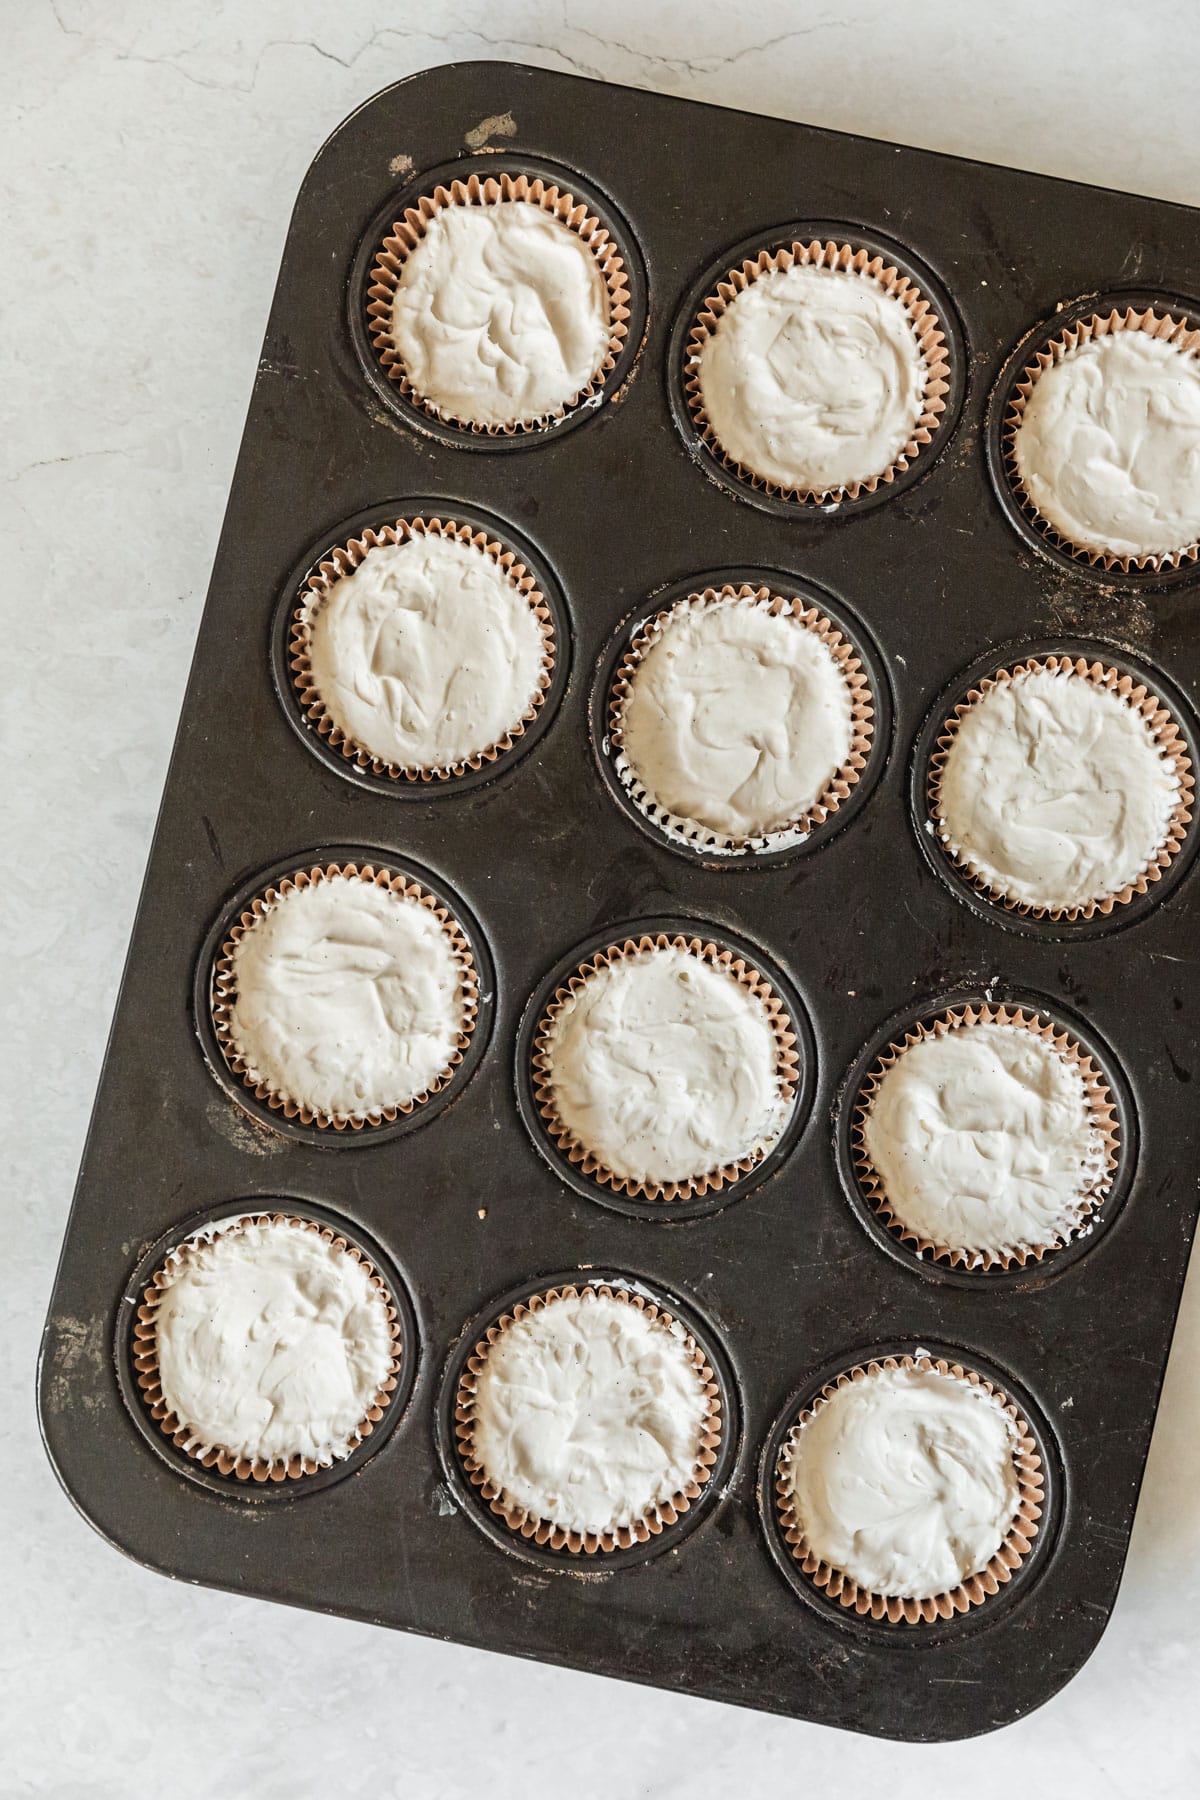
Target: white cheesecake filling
{"type": "Point", "coordinates": [501, 313]}
{"type": "Point", "coordinates": [666, 1068]}
{"type": "Point", "coordinates": [1108, 447]}
{"type": "Point", "coordinates": [983, 1139]}
{"type": "Point", "coordinates": [272, 1343]}
{"type": "Point", "coordinates": [588, 1414]}
{"type": "Point", "coordinates": [348, 997]}
{"type": "Point", "coordinates": [426, 654]}
{"type": "Point", "coordinates": [1054, 791]}
{"type": "Point", "coordinates": [905, 1480]}
{"type": "Point", "coordinates": [813, 378]}
{"type": "Point", "coordinates": [737, 719]}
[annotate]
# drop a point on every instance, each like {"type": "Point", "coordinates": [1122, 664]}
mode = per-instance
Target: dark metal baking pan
{"type": "Point", "coordinates": [618, 509]}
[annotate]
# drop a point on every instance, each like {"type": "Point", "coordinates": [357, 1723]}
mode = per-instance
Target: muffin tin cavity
{"type": "Point", "coordinates": [170, 1438]}
{"type": "Point", "coordinates": [1170, 728]}
{"type": "Point", "coordinates": [901, 329]}
{"type": "Point", "coordinates": [1121, 442]}
{"type": "Point", "coordinates": [510, 1526]}
{"type": "Point", "coordinates": [1107, 1129]}
{"type": "Point", "coordinates": [738, 1006]}
{"type": "Point", "coordinates": [770, 715]}
{"type": "Point", "coordinates": [983, 1597]}
{"type": "Point", "coordinates": [564, 206]}
{"type": "Point", "coordinates": [323, 986]}
{"type": "Point", "coordinates": [491, 545]}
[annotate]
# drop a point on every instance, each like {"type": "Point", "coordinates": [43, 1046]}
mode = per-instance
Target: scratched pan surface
{"type": "Point", "coordinates": [784, 1282]}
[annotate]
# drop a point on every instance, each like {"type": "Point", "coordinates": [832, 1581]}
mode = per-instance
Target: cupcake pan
{"type": "Point", "coordinates": [539, 861]}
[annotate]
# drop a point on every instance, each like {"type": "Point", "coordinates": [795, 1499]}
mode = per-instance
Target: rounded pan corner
{"type": "Point", "coordinates": [1061, 1677]}
{"type": "Point", "coordinates": [438, 74]}
{"type": "Point", "coordinates": [83, 1495]}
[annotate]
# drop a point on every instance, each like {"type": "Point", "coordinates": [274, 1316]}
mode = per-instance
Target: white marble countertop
{"type": "Point", "coordinates": [149, 156]}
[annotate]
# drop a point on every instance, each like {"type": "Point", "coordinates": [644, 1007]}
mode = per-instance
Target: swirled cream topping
{"type": "Point", "coordinates": [905, 1480]}
{"type": "Point", "coordinates": [983, 1139]}
{"type": "Point", "coordinates": [1055, 791]}
{"type": "Point", "coordinates": [1108, 448]}
{"type": "Point", "coordinates": [813, 378]}
{"type": "Point", "coordinates": [271, 1342]}
{"type": "Point", "coordinates": [665, 1068]}
{"type": "Point", "coordinates": [736, 721]}
{"type": "Point", "coordinates": [501, 314]}
{"type": "Point", "coordinates": [588, 1414]}
{"type": "Point", "coordinates": [348, 997]}
{"type": "Point", "coordinates": [426, 654]}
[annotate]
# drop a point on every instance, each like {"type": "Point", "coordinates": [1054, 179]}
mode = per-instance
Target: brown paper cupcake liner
{"type": "Point", "coordinates": [343, 561]}
{"type": "Point", "coordinates": [1018, 1541]}
{"type": "Point", "coordinates": [1102, 1114]}
{"type": "Point", "coordinates": [555, 1537]}
{"type": "Point", "coordinates": [182, 1434]}
{"type": "Point", "coordinates": [1163, 729]}
{"type": "Point", "coordinates": [927, 328]}
{"type": "Point", "coordinates": [408, 231]}
{"type": "Point", "coordinates": [1167, 326]}
{"type": "Point", "coordinates": [712, 1180]}
{"type": "Point", "coordinates": [224, 995]}
{"type": "Point", "coordinates": [840, 784]}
